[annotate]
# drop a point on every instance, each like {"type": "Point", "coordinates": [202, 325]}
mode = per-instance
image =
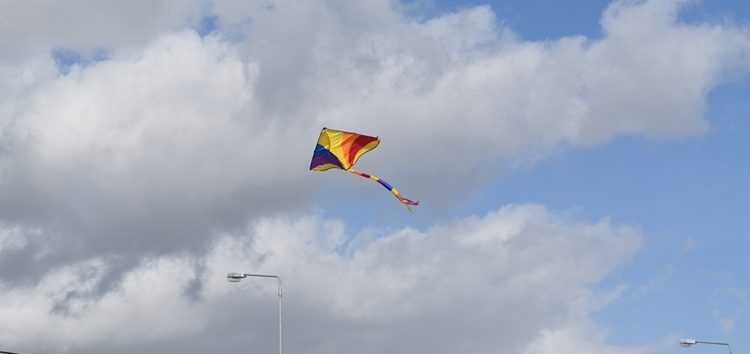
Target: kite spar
{"type": "Point", "coordinates": [340, 149]}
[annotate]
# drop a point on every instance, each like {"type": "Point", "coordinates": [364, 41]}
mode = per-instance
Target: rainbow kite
{"type": "Point", "coordinates": [339, 149]}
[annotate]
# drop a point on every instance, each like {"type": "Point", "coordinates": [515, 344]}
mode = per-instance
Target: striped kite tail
{"type": "Point", "coordinates": [388, 186]}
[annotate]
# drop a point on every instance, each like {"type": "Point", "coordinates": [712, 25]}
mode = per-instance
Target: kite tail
{"type": "Point", "coordinates": [387, 186]}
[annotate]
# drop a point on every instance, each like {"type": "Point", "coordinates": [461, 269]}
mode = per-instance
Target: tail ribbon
{"type": "Point", "coordinates": [387, 186]}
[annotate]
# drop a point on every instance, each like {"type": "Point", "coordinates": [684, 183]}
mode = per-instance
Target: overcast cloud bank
{"type": "Point", "coordinates": [517, 279]}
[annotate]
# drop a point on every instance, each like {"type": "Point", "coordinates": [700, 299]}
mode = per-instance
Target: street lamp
{"type": "Point", "coordinates": [687, 342]}
{"type": "Point", "coordinates": [236, 277]}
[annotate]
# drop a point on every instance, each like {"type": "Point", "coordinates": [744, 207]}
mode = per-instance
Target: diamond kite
{"type": "Point", "coordinates": [340, 149]}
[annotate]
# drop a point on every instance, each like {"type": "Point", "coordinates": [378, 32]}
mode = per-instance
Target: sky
{"type": "Point", "coordinates": [581, 168]}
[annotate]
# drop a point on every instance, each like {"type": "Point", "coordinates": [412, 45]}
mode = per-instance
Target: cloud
{"type": "Point", "coordinates": [516, 278]}
{"type": "Point", "coordinates": [163, 144]}
{"type": "Point", "coordinates": [657, 281]}
{"type": "Point", "coordinates": [32, 27]}
{"type": "Point", "coordinates": [147, 154]}
{"type": "Point", "coordinates": [729, 305]}
{"type": "Point", "coordinates": [118, 170]}
{"type": "Point", "coordinates": [689, 244]}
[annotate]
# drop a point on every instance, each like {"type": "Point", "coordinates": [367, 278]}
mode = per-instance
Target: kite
{"type": "Point", "coordinates": [340, 149]}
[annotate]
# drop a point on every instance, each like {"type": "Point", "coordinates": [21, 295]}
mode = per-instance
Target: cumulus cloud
{"type": "Point", "coordinates": [147, 154]}
{"type": "Point", "coordinates": [32, 27]}
{"type": "Point", "coordinates": [158, 147]}
{"type": "Point", "coordinates": [517, 279]}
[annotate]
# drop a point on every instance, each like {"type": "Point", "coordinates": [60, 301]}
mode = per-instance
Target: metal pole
{"type": "Point", "coordinates": [716, 343]}
{"type": "Point", "coordinates": [278, 279]}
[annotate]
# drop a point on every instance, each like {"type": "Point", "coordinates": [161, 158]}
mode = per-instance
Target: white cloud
{"type": "Point", "coordinates": [165, 144]}
{"type": "Point", "coordinates": [515, 278]}
{"type": "Point", "coordinates": [11, 238]}
{"type": "Point", "coordinates": [185, 136]}
{"type": "Point", "coordinates": [689, 244]}
{"type": "Point", "coordinates": [729, 305]}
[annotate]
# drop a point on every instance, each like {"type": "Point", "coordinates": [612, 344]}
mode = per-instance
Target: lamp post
{"type": "Point", "coordinates": [236, 277]}
{"type": "Point", "coordinates": [687, 342]}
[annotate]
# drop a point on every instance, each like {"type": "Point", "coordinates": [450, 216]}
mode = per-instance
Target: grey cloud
{"type": "Point", "coordinates": [32, 27]}
{"type": "Point", "coordinates": [179, 137]}
{"type": "Point", "coordinates": [115, 160]}
{"type": "Point", "coordinates": [513, 278]}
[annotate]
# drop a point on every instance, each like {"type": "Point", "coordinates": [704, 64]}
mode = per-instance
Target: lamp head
{"type": "Point", "coordinates": [685, 342]}
{"type": "Point", "coordinates": [235, 277]}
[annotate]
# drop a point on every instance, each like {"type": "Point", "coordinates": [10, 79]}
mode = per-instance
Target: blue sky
{"type": "Point", "coordinates": [689, 196]}
{"type": "Point", "coordinates": [582, 190]}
